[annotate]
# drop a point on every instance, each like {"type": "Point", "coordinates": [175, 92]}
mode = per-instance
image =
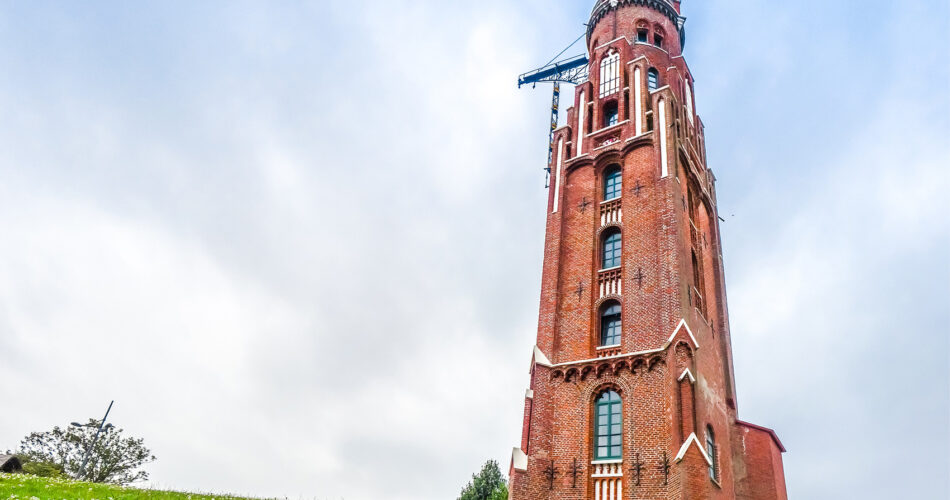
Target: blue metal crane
{"type": "Point", "coordinates": [573, 70]}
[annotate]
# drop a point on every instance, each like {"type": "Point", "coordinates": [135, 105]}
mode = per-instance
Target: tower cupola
{"type": "Point", "coordinates": [669, 9]}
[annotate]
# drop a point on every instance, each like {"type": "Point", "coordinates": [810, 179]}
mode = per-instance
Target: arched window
{"type": "Point", "coordinates": [612, 249]}
{"type": "Point", "coordinates": [609, 428]}
{"type": "Point", "coordinates": [653, 79]}
{"type": "Point", "coordinates": [613, 183]}
{"type": "Point", "coordinates": [610, 325]}
{"type": "Point", "coordinates": [658, 36]}
{"type": "Point", "coordinates": [610, 74]}
{"type": "Point", "coordinates": [643, 32]}
{"type": "Point", "coordinates": [711, 451]}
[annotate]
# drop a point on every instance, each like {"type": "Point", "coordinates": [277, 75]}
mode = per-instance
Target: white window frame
{"type": "Point", "coordinates": [610, 74]}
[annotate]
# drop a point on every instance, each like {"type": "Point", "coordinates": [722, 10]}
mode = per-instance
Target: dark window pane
{"type": "Point", "coordinates": [611, 115]}
{"type": "Point", "coordinates": [611, 327]}
{"type": "Point", "coordinates": [612, 250]}
{"type": "Point", "coordinates": [613, 184]}
{"type": "Point", "coordinates": [653, 79]}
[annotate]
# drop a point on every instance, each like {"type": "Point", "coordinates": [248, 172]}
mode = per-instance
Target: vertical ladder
{"type": "Point", "coordinates": [555, 108]}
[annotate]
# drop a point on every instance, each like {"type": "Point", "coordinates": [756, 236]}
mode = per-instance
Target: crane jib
{"type": "Point", "coordinates": [573, 70]}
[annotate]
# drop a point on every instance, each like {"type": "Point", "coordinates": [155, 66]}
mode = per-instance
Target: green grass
{"type": "Point", "coordinates": [26, 487]}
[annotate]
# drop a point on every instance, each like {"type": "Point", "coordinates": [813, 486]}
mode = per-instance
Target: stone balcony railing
{"type": "Point", "coordinates": [611, 212]}
{"type": "Point", "coordinates": [608, 480]}
{"type": "Point", "coordinates": [610, 282]}
{"type": "Point", "coordinates": [609, 351]}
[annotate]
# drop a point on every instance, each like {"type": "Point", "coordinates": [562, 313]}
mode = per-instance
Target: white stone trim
{"type": "Point", "coordinates": [580, 123]}
{"type": "Point", "coordinates": [692, 439]}
{"type": "Point", "coordinates": [638, 96]}
{"type": "Point", "coordinates": [624, 38]}
{"type": "Point", "coordinates": [519, 460]}
{"type": "Point", "coordinates": [687, 373]}
{"type": "Point", "coordinates": [529, 394]}
{"type": "Point", "coordinates": [540, 358]}
{"type": "Point", "coordinates": [557, 175]}
{"type": "Point", "coordinates": [664, 154]}
{"type": "Point", "coordinates": [607, 461]}
{"type": "Point", "coordinates": [682, 324]}
{"type": "Point", "coordinates": [688, 86]}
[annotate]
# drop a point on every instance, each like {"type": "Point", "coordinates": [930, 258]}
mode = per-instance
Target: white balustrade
{"type": "Point", "coordinates": [611, 282]}
{"type": "Point", "coordinates": [611, 212]}
{"type": "Point", "coordinates": [608, 480]}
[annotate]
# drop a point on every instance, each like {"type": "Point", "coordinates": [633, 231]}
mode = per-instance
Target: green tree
{"type": "Point", "coordinates": [488, 484]}
{"type": "Point", "coordinates": [113, 459]}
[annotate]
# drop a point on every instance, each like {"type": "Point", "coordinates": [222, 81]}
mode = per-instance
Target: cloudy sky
{"type": "Point", "coordinates": [299, 243]}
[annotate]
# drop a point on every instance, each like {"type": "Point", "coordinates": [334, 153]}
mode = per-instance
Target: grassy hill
{"type": "Point", "coordinates": [26, 487]}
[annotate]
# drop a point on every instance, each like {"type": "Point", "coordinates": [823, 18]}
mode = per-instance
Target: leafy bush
{"type": "Point", "coordinates": [488, 484]}
{"type": "Point", "coordinates": [41, 469]}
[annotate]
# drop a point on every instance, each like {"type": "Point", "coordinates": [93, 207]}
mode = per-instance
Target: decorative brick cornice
{"type": "Point", "coordinates": [603, 7]}
{"type": "Point", "coordinates": [637, 362]}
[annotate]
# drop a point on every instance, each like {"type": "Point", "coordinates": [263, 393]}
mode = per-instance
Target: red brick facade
{"type": "Point", "coordinates": [673, 365]}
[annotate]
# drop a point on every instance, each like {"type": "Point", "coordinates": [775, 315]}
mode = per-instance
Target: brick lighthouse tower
{"type": "Point", "coordinates": [632, 392]}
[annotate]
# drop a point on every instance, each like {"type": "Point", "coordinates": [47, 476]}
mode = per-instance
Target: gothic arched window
{"type": "Point", "coordinates": [610, 325]}
{"type": "Point", "coordinates": [711, 451]}
{"type": "Point", "coordinates": [612, 249]}
{"type": "Point", "coordinates": [613, 183]}
{"type": "Point", "coordinates": [608, 431]}
{"type": "Point", "coordinates": [643, 32]}
{"type": "Point", "coordinates": [653, 79]}
{"type": "Point", "coordinates": [610, 74]}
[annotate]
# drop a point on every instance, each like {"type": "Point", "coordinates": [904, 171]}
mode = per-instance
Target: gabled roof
{"type": "Point", "coordinates": [770, 432]}
{"type": "Point", "coordinates": [10, 463]}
